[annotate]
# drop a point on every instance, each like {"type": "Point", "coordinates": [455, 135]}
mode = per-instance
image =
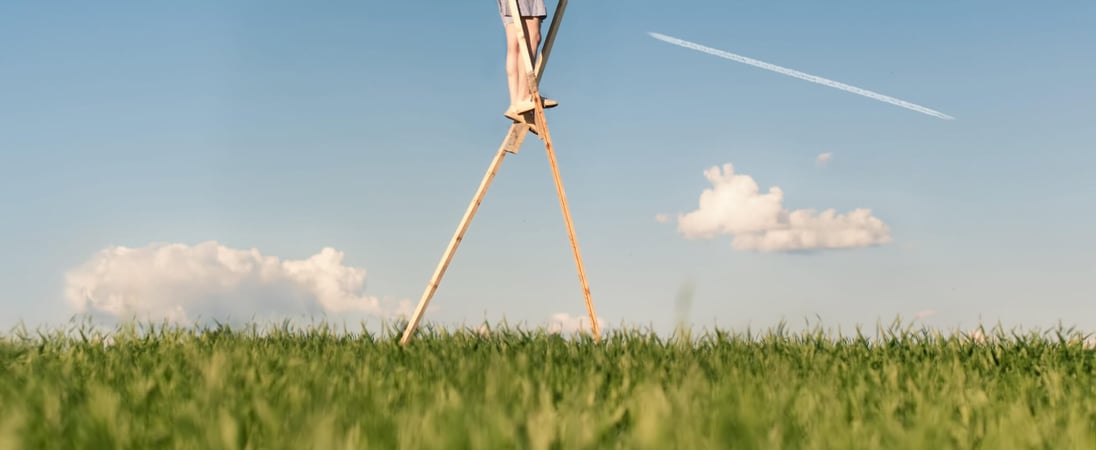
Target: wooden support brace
{"type": "Point", "coordinates": [514, 138]}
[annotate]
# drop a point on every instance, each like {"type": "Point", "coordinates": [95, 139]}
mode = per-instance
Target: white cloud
{"type": "Point", "coordinates": [823, 159]}
{"type": "Point", "coordinates": [181, 283]}
{"type": "Point", "coordinates": [662, 218]}
{"type": "Point", "coordinates": [977, 336]}
{"type": "Point", "coordinates": [925, 314]}
{"type": "Point", "coordinates": [735, 206]}
{"type": "Point", "coordinates": [563, 323]}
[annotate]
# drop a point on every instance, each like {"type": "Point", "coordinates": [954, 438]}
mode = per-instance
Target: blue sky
{"type": "Point", "coordinates": [288, 127]}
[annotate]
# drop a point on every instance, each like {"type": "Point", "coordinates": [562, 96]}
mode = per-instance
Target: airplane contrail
{"type": "Point", "coordinates": [800, 75]}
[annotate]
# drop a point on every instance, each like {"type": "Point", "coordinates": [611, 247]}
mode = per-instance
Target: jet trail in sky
{"type": "Point", "coordinates": [800, 75]}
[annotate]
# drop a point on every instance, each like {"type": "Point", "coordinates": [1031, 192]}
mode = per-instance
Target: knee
{"type": "Point", "coordinates": [512, 45]}
{"type": "Point", "coordinates": [533, 34]}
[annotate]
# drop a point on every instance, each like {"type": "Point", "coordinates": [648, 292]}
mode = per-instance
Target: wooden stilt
{"type": "Point", "coordinates": [510, 144]}
{"type": "Point", "coordinates": [550, 39]}
{"type": "Point", "coordinates": [542, 128]}
{"type": "Point", "coordinates": [534, 122]}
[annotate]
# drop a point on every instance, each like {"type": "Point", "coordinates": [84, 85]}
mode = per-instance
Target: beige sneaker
{"type": "Point", "coordinates": [523, 107]}
{"type": "Point", "coordinates": [512, 114]}
{"type": "Point", "coordinates": [526, 106]}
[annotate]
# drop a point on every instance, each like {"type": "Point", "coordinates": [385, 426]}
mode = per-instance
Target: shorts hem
{"type": "Point", "coordinates": [509, 20]}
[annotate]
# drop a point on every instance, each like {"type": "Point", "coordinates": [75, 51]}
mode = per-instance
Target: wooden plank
{"type": "Point", "coordinates": [546, 136]}
{"type": "Point", "coordinates": [550, 150]}
{"type": "Point", "coordinates": [514, 139]}
{"type": "Point", "coordinates": [550, 39]}
{"type": "Point", "coordinates": [514, 136]}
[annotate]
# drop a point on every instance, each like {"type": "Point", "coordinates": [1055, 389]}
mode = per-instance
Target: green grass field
{"type": "Point", "coordinates": [313, 387]}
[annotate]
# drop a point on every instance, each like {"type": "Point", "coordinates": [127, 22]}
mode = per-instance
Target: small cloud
{"type": "Point", "coordinates": [180, 283]}
{"type": "Point", "coordinates": [925, 314]}
{"type": "Point", "coordinates": [662, 218]}
{"type": "Point", "coordinates": [823, 159]}
{"type": "Point", "coordinates": [563, 323]}
{"type": "Point", "coordinates": [977, 336]}
{"type": "Point", "coordinates": [735, 206]}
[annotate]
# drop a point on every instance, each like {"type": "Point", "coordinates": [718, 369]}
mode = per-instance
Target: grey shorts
{"type": "Point", "coordinates": [527, 8]}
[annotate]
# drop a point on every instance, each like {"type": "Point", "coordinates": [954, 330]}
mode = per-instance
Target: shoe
{"type": "Point", "coordinates": [526, 106]}
{"type": "Point", "coordinates": [523, 107]}
{"type": "Point", "coordinates": [512, 115]}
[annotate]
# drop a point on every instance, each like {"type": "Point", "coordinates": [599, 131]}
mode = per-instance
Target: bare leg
{"type": "Point", "coordinates": [513, 63]}
{"type": "Point", "coordinates": [532, 24]}
{"type": "Point", "coordinates": [515, 67]}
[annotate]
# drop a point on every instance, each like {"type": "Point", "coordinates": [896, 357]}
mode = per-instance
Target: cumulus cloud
{"type": "Point", "coordinates": [181, 283]}
{"type": "Point", "coordinates": [823, 159]}
{"type": "Point", "coordinates": [662, 218]}
{"type": "Point", "coordinates": [735, 206]}
{"type": "Point", "coordinates": [564, 323]}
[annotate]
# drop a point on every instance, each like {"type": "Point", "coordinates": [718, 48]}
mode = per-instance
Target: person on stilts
{"type": "Point", "coordinates": [532, 12]}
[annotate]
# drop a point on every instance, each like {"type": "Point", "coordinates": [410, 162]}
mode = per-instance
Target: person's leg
{"type": "Point", "coordinates": [513, 64]}
{"type": "Point", "coordinates": [520, 99]}
{"type": "Point", "coordinates": [532, 25]}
